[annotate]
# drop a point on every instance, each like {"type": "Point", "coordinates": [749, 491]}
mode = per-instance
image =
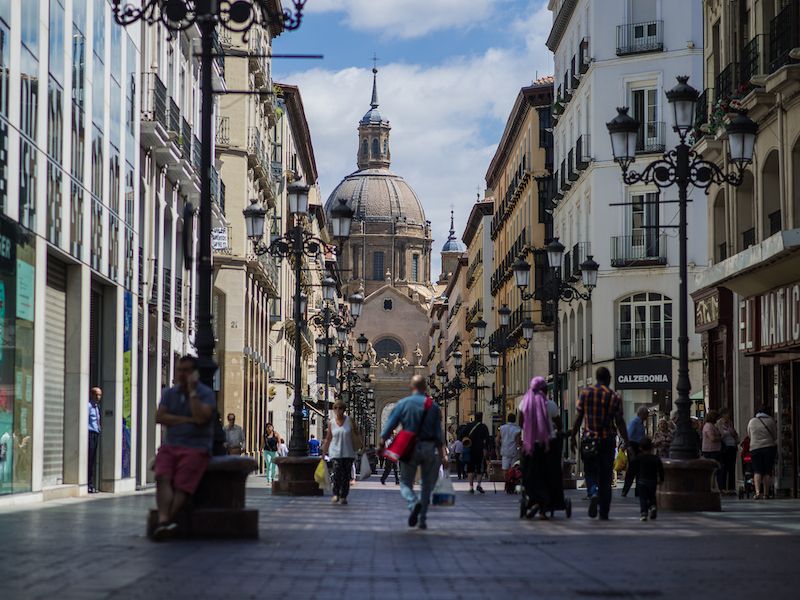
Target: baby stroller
{"type": "Point", "coordinates": [747, 471]}
{"type": "Point", "coordinates": [555, 484]}
{"type": "Point", "coordinates": [513, 479]}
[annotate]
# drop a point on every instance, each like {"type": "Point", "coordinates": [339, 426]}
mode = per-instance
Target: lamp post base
{"type": "Point", "coordinates": [296, 476]}
{"type": "Point", "coordinates": [687, 486]}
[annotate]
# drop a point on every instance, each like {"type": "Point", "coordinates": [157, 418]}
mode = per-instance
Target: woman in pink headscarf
{"type": "Point", "coordinates": [541, 422]}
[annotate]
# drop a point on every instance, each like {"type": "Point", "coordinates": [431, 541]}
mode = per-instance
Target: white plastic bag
{"type": "Point", "coordinates": [365, 469]}
{"type": "Point", "coordinates": [443, 492]}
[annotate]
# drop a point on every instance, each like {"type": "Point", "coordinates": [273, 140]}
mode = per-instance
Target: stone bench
{"type": "Point", "coordinates": [217, 508]}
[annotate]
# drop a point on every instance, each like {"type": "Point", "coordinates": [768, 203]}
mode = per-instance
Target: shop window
{"type": "Point", "coordinates": [645, 325]}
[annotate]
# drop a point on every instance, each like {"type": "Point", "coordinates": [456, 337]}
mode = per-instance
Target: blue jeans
{"type": "Point", "coordinates": [599, 473]}
{"type": "Point", "coordinates": [427, 459]}
{"type": "Point", "coordinates": [647, 496]}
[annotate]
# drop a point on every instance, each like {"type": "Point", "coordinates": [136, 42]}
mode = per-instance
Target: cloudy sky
{"type": "Point", "coordinates": [449, 73]}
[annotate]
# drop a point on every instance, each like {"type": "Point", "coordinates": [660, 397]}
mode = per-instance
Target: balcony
{"type": "Point", "coordinates": [652, 136]}
{"type": "Point", "coordinates": [166, 298]}
{"type": "Point", "coordinates": [726, 81]}
{"type": "Point", "coordinates": [583, 56]}
{"type": "Point", "coordinates": [582, 153]}
{"type": "Point", "coordinates": [186, 140]}
{"type": "Point", "coordinates": [639, 250]}
{"type": "Point", "coordinates": [566, 184]}
{"type": "Point", "coordinates": [704, 105]}
{"type": "Point", "coordinates": [154, 111]}
{"type": "Point", "coordinates": [754, 59]}
{"type": "Point", "coordinates": [197, 153]}
{"type": "Point", "coordinates": [580, 253]}
{"type": "Point", "coordinates": [637, 38]}
{"type": "Point", "coordinates": [223, 131]}
{"type": "Point", "coordinates": [748, 238]}
{"type": "Point", "coordinates": [639, 341]}
{"type": "Point", "coordinates": [571, 172]}
{"type": "Point", "coordinates": [784, 35]}
{"type": "Point", "coordinates": [173, 118]}
{"type": "Point", "coordinates": [253, 146]}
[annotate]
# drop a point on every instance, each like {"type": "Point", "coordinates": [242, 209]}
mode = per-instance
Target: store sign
{"type": "Point", "coordinates": [643, 374]}
{"type": "Point", "coordinates": [706, 313]}
{"type": "Point", "coordinates": [219, 238]}
{"type": "Point", "coordinates": [770, 320]}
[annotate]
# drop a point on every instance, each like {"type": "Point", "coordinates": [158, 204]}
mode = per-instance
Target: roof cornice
{"type": "Point", "coordinates": [560, 24]}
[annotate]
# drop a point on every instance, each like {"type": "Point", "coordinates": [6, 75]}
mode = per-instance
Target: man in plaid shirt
{"type": "Point", "coordinates": [602, 408]}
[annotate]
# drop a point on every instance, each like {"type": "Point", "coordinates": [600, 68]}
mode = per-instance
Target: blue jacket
{"type": "Point", "coordinates": [408, 413]}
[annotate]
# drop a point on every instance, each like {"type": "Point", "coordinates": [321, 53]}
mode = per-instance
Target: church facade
{"type": "Point", "coordinates": [388, 259]}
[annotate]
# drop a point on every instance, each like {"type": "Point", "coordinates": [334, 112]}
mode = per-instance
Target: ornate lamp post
{"type": "Point", "coordinates": [683, 166]}
{"type": "Point", "coordinates": [238, 16]}
{"type": "Point", "coordinates": [554, 290]}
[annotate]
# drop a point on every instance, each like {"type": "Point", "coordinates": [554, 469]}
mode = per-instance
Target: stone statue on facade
{"type": "Point", "coordinates": [372, 355]}
{"type": "Point", "coordinates": [417, 357]}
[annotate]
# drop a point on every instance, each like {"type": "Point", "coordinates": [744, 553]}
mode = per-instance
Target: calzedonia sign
{"type": "Point", "coordinates": [771, 320]}
{"type": "Point", "coordinates": [643, 374]}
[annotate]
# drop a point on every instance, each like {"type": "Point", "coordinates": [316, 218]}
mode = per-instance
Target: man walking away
{"type": "Point", "coordinates": [185, 410]}
{"type": "Point", "coordinates": [649, 471]}
{"type": "Point", "coordinates": [636, 433]}
{"type": "Point", "coordinates": [508, 442]}
{"type": "Point", "coordinates": [95, 396]}
{"type": "Point", "coordinates": [602, 408]}
{"type": "Point", "coordinates": [418, 413]}
{"type": "Point", "coordinates": [480, 437]}
{"type": "Point", "coordinates": [313, 446]}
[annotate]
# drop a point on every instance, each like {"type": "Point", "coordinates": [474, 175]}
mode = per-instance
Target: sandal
{"type": "Point", "coordinates": [756, 496]}
{"type": "Point", "coordinates": [532, 511]}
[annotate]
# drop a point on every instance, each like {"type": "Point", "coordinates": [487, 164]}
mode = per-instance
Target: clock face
{"type": "Point", "coordinates": [188, 235]}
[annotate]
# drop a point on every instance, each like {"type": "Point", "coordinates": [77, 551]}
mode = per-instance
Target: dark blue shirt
{"type": "Point", "coordinates": [313, 447]}
{"type": "Point", "coordinates": [636, 431]}
{"type": "Point", "coordinates": [409, 411]}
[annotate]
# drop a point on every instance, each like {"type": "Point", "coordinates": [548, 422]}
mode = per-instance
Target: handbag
{"type": "Point", "coordinates": [366, 471]}
{"type": "Point", "coordinates": [590, 449]}
{"type": "Point", "coordinates": [405, 442]}
{"type": "Point", "coordinates": [467, 444]}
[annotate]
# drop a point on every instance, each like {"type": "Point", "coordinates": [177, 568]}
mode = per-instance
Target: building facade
{"type": "Point", "coordinates": [746, 307]}
{"type": "Point", "coordinates": [628, 324]}
{"type": "Point", "coordinates": [521, 226]}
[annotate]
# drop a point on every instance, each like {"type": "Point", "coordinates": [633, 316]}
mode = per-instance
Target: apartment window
{"type": "Point", "coordinates": [645, 325]}
{"type": "Point", "coordinates": [4, 68]}
{"type": "Point", "coordinates": [415, 267]}
{"type": "Point", "coordinates": [646, 111]}
{"type": "Point", "coordinates": [644, 224]}
{"type": "Point", "coordinates": [774, 222]}
{"type": "Point", "coordinates": [377, 266]}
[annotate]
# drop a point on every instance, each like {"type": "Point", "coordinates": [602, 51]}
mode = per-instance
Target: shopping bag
{"type": "Point", "coordinates": [322, 476]}
{"type": "Point", "coordinates": [443, 492]}
{"type": "Point", "coordinates": [621, 461]}
{"type": "Point", "coordinates": [366, 471]}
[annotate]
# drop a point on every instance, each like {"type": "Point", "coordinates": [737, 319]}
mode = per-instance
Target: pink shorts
{"type": "Point", "coordinates": [185, 466]}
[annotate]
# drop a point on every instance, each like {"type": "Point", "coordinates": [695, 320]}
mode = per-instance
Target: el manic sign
{"type": "Point", "coordinates": [771, 320]}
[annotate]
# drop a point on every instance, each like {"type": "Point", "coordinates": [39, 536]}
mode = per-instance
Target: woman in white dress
{"type": "Point", "coordinates": [339, 446]}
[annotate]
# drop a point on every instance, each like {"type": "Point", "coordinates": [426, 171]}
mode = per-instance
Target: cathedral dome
{"type": "Point", "coordinates": [453, 244]}
{"type": "Point", "coordinates": [378, 195]}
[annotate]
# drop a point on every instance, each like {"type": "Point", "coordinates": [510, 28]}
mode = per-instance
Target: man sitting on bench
{"type": "Point", "coordinates": [185, 410]}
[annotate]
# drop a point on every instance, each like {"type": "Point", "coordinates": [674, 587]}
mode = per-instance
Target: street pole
{"type": "Point", "coordinates": [298, 445]}
{"type": "Point", "coordinates": [556, 374]}
{"type": "Point", "coordinates": [205, 334]}
{"type": "Point", "coordinates": [684, 445]}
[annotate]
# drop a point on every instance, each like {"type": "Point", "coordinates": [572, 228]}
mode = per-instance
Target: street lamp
{"type": "Point", "coordinates": [362, 342]}
{"type": "Point", "coordinates": [553, 290]}
{"type": "Point", "coordinates": [682, 166]}
{"type": "Point", "coordinates": [178, 15]}
{"type": "Point", "coordinates": [480, 328]}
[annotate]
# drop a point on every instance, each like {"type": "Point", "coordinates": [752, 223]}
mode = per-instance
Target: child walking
{"type": "Point", "coordinates": [648, 471]}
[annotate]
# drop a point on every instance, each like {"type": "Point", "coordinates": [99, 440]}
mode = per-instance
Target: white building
{"type": "Point", "coordinates": [632, 312]}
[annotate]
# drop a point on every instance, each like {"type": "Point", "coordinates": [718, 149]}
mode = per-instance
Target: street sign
{"type": "Point", "coordinates": [305, 413]}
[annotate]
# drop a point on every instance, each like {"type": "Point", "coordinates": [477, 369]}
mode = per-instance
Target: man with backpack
{"type": "Point", "coordinates": [476, 450]}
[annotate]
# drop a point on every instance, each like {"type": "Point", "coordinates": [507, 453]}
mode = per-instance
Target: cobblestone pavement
{"type": "Point", "coordinates": [479, 549]}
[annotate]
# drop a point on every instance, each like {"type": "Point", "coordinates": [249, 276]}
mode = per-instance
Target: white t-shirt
{"type": "Point", "coordinates": [508, 437]}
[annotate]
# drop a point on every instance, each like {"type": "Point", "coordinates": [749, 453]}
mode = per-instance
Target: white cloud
{"type": "Point", "coordinates": [446, 119]}
{"type": "Point", "coordinates": [408, 18]}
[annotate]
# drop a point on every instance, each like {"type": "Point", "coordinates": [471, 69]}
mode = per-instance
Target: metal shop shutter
{"type": "Point", "coordinates": [54, 364]}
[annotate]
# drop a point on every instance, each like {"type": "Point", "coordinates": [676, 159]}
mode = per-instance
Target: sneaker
{"type": "Point", "coordinates": [164, 531]}
{"type": "Point", "coordinates": [593, 504]}
{"type": "Point", "coordinates": [471, 491]}
{"type": "Point", "coordinates": [383, 482]}
{"type": "Point", "coordinates": [653, 512]}
{"type": "Point", "coordinates": [422, 525]}
{"type": "Point", "coordinates": [414, 516]}
{"type": "Point", "coordinates": [343, 501]}
{"type": "Point", "coordinates": [643, 517]}
{"type": "Point", "coordinates": [480, 489]}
